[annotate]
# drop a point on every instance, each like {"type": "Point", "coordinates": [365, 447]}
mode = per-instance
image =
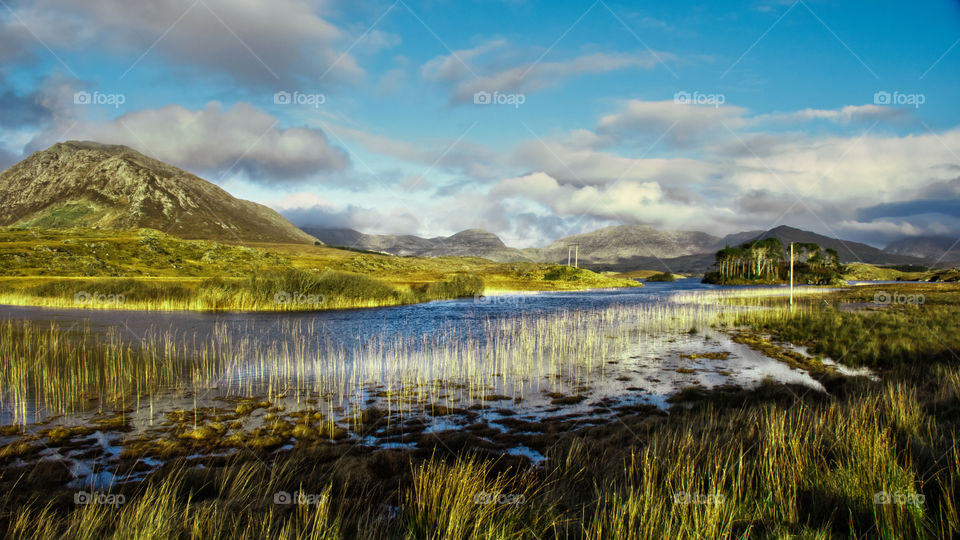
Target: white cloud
{"type": "Point", "coordinates": [461, 156]}
{"type": "Point", "coordinates": [679, 123]}
{"type": "Point", "coordinates": [254, 41]}
{"type": "Point", "coordinates": [888, 228]}
{"type": "Point", "coordinates": [215, 140]}
{"type": "Point", "coordinates": [629, 201]}
{"type": "Point", "coordinates": [576, 164]}
{"type": "Point", "coordinates": [843, 115]}
{"type": "Point", "coordinates": [463, 72]}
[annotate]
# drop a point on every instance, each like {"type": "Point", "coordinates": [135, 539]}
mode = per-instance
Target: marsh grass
{"type": "Point", "coordinates": [157, 271]}
{"type": "Point", "coordinates": [795, 464]}
{"type": "Point", "coordinates": [811, 468]}
{"type": "Point", "coordinates": [60, 368]}
{"type": "Point", "coordinates": [285, 290]}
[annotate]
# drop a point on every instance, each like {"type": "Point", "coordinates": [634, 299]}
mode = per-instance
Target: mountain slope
{"type": "Point", "coordinates": [89, 184]}
{"type": "Point", "coordinates": [848, 251]}
{"type": "Point", "coordinates": [627, 246]}
{"type": "Point", "coordinates": [468, 243]}
{"type": "Point", "coordinates": [617, 248]}
{"type": "Point", "coordinates": [942, 248]}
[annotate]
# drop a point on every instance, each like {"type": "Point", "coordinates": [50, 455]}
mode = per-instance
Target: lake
{"type": "Point", "coordinates": [508, 363]}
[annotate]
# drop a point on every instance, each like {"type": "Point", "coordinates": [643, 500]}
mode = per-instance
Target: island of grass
{"type": "Point", "coordinates": [766, 262]}
{"type": "Point", "coordinates": [147, 269]}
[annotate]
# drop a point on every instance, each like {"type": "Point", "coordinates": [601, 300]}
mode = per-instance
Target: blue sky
{"type": "Point", "coordinates": [839, 117]}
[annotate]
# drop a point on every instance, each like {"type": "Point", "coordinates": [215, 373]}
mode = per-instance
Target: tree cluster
{"type": "Point", "coordinates": [767, 261]}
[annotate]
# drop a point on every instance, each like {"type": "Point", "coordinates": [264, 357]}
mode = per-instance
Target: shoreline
{"type": "Point", "coordinates": [64, 304]}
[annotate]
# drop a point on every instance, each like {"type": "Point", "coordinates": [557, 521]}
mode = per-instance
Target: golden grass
{"type": "Point", "coordinates": [873, 459]}
{"type": "Point", "coordinates": [810, 469]}
{"type": "Point", "coordinates": [155, 271]}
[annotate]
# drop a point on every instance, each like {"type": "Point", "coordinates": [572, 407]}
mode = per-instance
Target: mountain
{"type": "Point", "coordinates": [935, 248]}
{"type": "Point", "coordinates": [475, 243]}
{"type": "Point", "coordinates": [848, 251]}
{"type": "Point", "coordinates": [627, 247]}
{"type": "Point", "coordinates": [89, 184]}
{"type": "Point", "coordinates": [617, 248]}
{"type": "Point", "coordinates": [468, 243]}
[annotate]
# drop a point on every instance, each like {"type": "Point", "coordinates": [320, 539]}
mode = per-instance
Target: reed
{"type": "Point", "coordinates": [285, 290]}
{"type": "Point", "coordinates": [812, 468]}
{"type": "Point", "coordinates": [873, 459]}
{"type": "Point", "coordinates": [60, 368]}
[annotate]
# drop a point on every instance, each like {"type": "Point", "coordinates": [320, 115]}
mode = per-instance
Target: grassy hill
{"type": "Point", "coordinates": [869, 272]}
{"type": "Point", "coordinates": [93, 185]}
{"type": "Point", "coordinates": [152, 270]}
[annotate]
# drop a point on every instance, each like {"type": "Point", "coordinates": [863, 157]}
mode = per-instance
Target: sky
{"type": "Point", "coordinates": [533, 120]}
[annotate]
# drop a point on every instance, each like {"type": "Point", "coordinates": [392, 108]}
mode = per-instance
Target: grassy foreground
{"type": "Point", "coordinates": [867, 459]}
{"type": "Point", "coordinates": [147, 269]}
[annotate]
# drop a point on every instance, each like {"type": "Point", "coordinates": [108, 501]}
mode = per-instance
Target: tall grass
{"type": "Point", "coordinates": [874, 459]}
{"type": "Point", "coordinates": [813, 468]}
{"type": "Point", "coordinates": [284, 290]}
{"type": "Point", "coordinates": [61, 367]}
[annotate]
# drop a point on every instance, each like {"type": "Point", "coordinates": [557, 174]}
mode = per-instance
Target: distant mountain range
{"type": "Point", "coordinates": [937, 248]}
{"type": "Point", "coordinates": [88, 184]}
{"type": "Point", "coordinates": [468, 243]}
{"type": "Point", "coordinates": [617, 248]}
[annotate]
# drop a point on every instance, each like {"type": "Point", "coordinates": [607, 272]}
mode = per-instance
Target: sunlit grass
{"type": "Point", "coordinates": [817, 466]}
{"type": "Point", "coordinates": [809, 470]}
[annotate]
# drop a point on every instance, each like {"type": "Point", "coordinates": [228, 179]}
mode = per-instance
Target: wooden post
{"type": "Point", "coordinates": [791, 274]}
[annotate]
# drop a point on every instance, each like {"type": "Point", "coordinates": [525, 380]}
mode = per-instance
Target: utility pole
{"type": "Point", "coordinates": [791, 274]}
{"type": "Point", "coordinates": [574, 250]}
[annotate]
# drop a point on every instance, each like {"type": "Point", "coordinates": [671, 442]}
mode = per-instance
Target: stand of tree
{"type": "Point", "coordinates": [767, 261]}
